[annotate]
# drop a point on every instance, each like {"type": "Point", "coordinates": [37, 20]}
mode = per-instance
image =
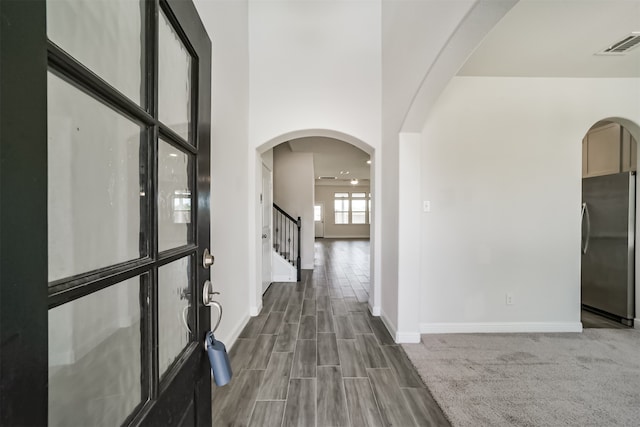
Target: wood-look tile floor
{"type": "Point", "coordinates": [315, 356]}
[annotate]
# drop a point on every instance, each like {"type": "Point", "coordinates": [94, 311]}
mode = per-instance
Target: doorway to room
{"type": "Point", "coordinates": [608, 214]}
{"type": "Point", "coordinates": [318, 219]}
{"type": "Point", "coordinates": [267, 234]}
{"type": "Point", "coordinates": [303, 186]}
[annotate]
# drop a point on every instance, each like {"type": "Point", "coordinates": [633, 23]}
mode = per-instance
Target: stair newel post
{"type": "Point", "coordinates": [299, 223]}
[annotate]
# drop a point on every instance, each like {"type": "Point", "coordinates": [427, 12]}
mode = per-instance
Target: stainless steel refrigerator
{"type": "Point", "coordinates": [608, 245]}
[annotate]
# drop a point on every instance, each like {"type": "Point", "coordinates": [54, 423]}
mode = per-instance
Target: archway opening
{"type": "Point", "coordinates": [609, 227]}
{"type": "Point", "coordinates": [312, 168]}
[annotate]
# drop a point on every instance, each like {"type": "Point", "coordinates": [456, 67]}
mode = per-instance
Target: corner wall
{"type": "Point", "coordinates": [293, 191]}
{"type": "Point", "coordinates": [226, 24]}
{"type": "Point", "coordinates": [501, 165]}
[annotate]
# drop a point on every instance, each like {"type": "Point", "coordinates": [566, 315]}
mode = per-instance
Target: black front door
{"type": "Point", "coordinates": [104, 177]}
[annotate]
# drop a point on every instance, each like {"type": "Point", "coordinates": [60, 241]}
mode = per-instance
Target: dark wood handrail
{"type": "Point", "coordinates": [279, 209]}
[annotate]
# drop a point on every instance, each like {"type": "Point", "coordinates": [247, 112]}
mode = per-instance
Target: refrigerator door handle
{"type": "Point", "coordinates": [585, 210]}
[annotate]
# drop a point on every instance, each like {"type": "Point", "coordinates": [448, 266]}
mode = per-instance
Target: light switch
{"type": "Point", "coordinates": [426, 205]}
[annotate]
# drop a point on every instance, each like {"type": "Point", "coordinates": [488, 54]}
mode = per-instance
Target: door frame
{"type": "Point", "coordinates": [25, 295]}
{"type": "Point", "coordinates": [267, 212]}
{"type": "Point", "coordinates": [322, 220]}
{"type": "Point", "coordinates": [23, 229]}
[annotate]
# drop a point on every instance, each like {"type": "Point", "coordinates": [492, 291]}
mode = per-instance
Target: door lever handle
{"type": "Point", "coordinates": [207, 299]}
{"type": "Point", "coordinates": [208, 294]}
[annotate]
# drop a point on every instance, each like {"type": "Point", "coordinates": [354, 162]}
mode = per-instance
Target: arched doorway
{"type": "Point", "coordinates": [608, 255]}
{"type": "Point", "coordinates": [264, 155]}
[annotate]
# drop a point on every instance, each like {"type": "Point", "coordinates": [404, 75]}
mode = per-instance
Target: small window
{"type": "Point", "coordinates": [317, 213]}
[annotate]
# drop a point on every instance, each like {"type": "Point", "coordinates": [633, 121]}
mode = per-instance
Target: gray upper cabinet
{"type": "Point", "coordinates": [608, 149]}
{"type": "Point", "coordinates": [629, 152]}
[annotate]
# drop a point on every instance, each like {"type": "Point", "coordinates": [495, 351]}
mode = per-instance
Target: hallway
{"type": "Point", "coordinates": [316, 357]}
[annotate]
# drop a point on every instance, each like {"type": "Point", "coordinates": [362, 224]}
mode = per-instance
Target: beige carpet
{"type": "Point", "coordinates": [588, 379]}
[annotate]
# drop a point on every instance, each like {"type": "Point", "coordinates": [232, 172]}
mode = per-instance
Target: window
{"type": "Point", "coordinates": [360, 212]}
{"type": "Point", "coordinates": [317, 213]}
{"type": "Point", "coordinates": [358, 208]}
{"type": "Point", "coordinates": [341, 208]}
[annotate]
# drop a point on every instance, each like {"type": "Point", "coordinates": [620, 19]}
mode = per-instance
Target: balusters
{"type": "Point", "coordinates": [286, 237]}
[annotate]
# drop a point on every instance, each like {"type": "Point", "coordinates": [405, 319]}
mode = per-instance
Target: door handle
{"type": "Point", "coordinates": [264, 236]}
{"type": "Point", "coordinates": [208, 293]}
{"type": "Point", "coordinates": [585, 213]}
{"type": "Point", "coordinates": [207, 259]}
{"type": "Point", "coordinates": [207, 299]}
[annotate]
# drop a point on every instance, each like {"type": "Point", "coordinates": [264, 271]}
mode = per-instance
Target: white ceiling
{"type": "Point", "coordinates": [559, 38]}
{"type": "Point", "coordinates": [331, 156]}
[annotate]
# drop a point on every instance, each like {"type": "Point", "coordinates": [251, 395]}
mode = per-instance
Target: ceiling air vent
{"type": "Point", "coordinates": [623, 46]}
{"type": "Point", "coordinates": [327, 177]}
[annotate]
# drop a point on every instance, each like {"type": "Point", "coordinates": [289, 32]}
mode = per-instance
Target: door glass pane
{"type": "Point", "coordinates": [96, 187]}
{"type": "Point", "coordinates": [174, 80]}
{"type": "Point", "coordinates": [175, 317]}
{"type": "Point", "coordinates": [174, 197]}
{"type": "Point", "coordinates": [106, 36]}
{"type": "Point", "coordinates": [95, 358]}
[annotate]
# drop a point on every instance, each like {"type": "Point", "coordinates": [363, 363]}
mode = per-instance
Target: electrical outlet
{"type": "Point", "coordinates": [426, 205]}
{"type": "Point", "coordinates": [508, 299]}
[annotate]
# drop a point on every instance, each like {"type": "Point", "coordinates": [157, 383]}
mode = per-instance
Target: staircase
{"type": "Point", "coordinates": [286, 238]}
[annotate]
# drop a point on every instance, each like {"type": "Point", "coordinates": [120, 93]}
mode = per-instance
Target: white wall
{"type": "Point", "coordinates": [501, 165]}
{"type": "Point", "coordinates": [315, 70]}
{"type": "Point", "coordinates": [325, 194]}
{"type": "Point", "coordinates": [226, 24]}
{"type": "Point", "coordinates": [293, 191]}
{"type": "Point", "coordinates": [409, 250]}
{"type": "Point", "coordinates": [413, 37]}
{"type": "Point", "coordinates": [314, 65]}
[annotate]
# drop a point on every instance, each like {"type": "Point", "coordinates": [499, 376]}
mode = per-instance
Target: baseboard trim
{"type": "Point", "coordinates": [388, 324]}
{"type": "Point", "coordinates": [636, 323]}
{"type": "Point", "coordinates": [498, 327]}
{"type": "Point", "coordinates": [283, 278]}
{"type": "Point", "coordinates": [254, 311]}
{"type": "Point", "coordinates": [407, 337]}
